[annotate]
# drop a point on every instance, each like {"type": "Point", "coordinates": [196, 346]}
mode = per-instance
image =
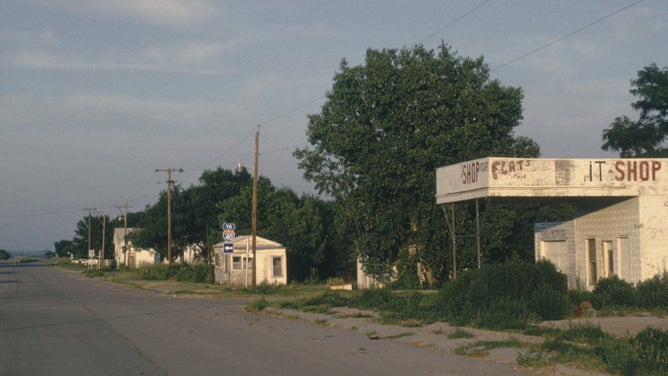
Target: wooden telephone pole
{"type": "Point", "coordinates": [169, 208]}
{"type": "Point", "coordinates": [90, 210]}
{"type": "Point", "coordinates": [254, 211]}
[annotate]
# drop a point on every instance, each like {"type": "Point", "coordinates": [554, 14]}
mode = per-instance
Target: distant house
{"type": "Point", "coordinates": [132, 256]}
{"type": "Point", "coordinates": [236, 267]}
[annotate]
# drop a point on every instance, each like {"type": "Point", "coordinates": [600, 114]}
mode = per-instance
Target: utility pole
{"type": "Point", "coordinates": [169, 208]}
{"type": "Point", "coordinates": [125, 232]}
{"type": "Point", "coordinates": [100, 258]}
{"type": "Point", "coordinates": [254, 211]}
{"type": "Point", "coordinates": [89, 214]}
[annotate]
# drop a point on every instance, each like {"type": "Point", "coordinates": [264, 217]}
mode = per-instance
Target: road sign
{"type": "Point", "coordinates": [228, 227]}
{"type": "Point", "coordinates": [228, 235]}
{"type": "Point", "coordinates": [228, 247]}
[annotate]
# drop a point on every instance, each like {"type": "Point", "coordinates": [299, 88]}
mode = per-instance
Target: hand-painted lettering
{"type": "Point", "coordinates": [636, 170]}
{"type": "Point", "coordinates": [471, 171]}
{"type": "Point", "coordinates": [600, 170]}
{"type": "Point", "coordinates": [508, 167]}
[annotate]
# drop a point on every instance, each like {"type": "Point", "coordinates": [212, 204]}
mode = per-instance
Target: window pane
{"type": "Point", "coordinates": [277, 263]}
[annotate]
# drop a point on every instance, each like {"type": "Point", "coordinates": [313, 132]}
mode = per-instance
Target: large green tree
{"type": "Point", "coordinates": [384, 129]}
{"type": "Point", "coordinates": [647, 135]}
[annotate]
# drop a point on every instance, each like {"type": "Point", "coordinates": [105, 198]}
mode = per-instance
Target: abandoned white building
{"type": "Point", "coordinates": [132, 256]}
{"type": "Point", "coordinates": [621, 210]}
{"type": "Point", "coordinates": [234, 266]}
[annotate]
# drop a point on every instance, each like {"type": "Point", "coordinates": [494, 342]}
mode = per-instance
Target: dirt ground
{"type": "Point", "coordinates": [435, 336]}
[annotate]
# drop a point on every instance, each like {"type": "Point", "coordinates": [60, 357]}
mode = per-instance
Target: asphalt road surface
{"type": "Point", "coordinates": [57, 322]}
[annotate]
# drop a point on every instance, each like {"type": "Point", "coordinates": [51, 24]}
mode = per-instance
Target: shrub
{"type": "Point", "coordinates": [503, 296]}
{"type": "Point", "coordinates": [653, 293]}
{"type": "Point", "coordinates": [192, 273]}
{"type": "Point", "coordinates": [505, 314]}
{"type": "Point", "coordinates": [548, 303]}
{"type": "Point", "coordinates": [614, 292]}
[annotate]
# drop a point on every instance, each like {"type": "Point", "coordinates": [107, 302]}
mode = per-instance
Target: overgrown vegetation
{"type": "Point", "coordinates": [502, 296]}
{"type": "Point", "coordinates": [611, 295]}
{"type": "Point", "coordinates": [588, 346]}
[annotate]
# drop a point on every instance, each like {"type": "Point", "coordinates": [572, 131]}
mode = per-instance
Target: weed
{"type": "Point", "coordinates": [258, 305]}
{"type": "Point", "coordinates": [460, 333]}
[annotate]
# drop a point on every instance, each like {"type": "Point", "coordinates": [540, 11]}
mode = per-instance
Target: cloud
{"type": "Point", "coordinates": [40, 59]}
{"type": "Point", "coordinates": [27, 37]}
{"type": "Point", "coordinates": [159, 12]}
{"type": "Point", "coordinates": [193, 52]}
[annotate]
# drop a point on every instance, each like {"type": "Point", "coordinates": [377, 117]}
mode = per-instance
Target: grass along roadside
{"type": "Point", "coordinates": [583, 346]}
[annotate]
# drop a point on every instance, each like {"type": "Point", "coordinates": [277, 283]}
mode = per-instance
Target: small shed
{"type": "Point", "coordinates": [234, 265]}
{"type": "Point", "coordinates": [621, 208]}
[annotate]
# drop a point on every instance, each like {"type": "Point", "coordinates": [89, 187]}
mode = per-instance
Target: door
{"type": "Point", "coordinates": [557, 253]}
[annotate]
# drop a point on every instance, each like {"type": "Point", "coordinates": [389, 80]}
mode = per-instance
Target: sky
{"type": "Point", "coordinates": [97, 95]}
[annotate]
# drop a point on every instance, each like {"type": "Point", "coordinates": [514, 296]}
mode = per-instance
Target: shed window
{"type": "Point", "coordinates": [277, 264]}
{"type": "Point", "coordinates": [236, 263]}
{"type": "Point", "coordinates": [242, 263]}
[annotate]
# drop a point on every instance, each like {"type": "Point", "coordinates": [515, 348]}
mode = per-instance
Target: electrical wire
{"type": "Point", "coordinates": [566, 36]}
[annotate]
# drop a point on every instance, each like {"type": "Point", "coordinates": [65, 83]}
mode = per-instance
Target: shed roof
{"type": "Point", "coordinates": [260, 243]}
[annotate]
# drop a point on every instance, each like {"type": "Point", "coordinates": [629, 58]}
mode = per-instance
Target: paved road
{"type": "Point", "coordinates": [57, 322]}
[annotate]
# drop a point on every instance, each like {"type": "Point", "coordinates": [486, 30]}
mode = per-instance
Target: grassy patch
{"type": "Point", "coordinates": [257, 305]}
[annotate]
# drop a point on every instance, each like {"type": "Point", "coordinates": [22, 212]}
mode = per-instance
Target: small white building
{"type": "Point", "coordinates": [132, 256]}
{"type": "Point", "coordinates": [235, 266]}
{"type": "Point", "coordinates": [621, 208]}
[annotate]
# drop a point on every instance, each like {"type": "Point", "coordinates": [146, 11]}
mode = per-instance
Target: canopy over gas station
{"type": "Point", "coordinates": [546, 178]}
{"type": "Point", "coordinates": [621, 207]}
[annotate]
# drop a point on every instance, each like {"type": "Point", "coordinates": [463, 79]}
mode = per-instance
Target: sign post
{"type": "Point", "coordinates": [228, 248]}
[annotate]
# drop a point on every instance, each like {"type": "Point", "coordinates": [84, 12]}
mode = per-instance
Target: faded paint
{"type": "Point", "coordinates": [618, 228]}
{"type": "Point", "coordinates": [521, 177]}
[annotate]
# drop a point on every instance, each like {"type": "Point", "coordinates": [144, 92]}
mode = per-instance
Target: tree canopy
{"type": "Point", "coordinates": [4, 255]}
{"type": "Point", "coordinates": [384, 129]}
{"type": "Point", "coordinates": [78, 247]}
{"type": "Point", "coordinates": [647, 135]}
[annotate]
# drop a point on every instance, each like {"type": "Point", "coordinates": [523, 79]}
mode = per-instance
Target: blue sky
{"type": "Point", "coordinates": [96, 95]}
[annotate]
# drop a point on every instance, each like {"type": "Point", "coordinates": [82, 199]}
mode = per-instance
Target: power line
{"type": "Point", "coordinates": [566, 36]}
{"type": "Point", "coordinates": [455, 21]}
